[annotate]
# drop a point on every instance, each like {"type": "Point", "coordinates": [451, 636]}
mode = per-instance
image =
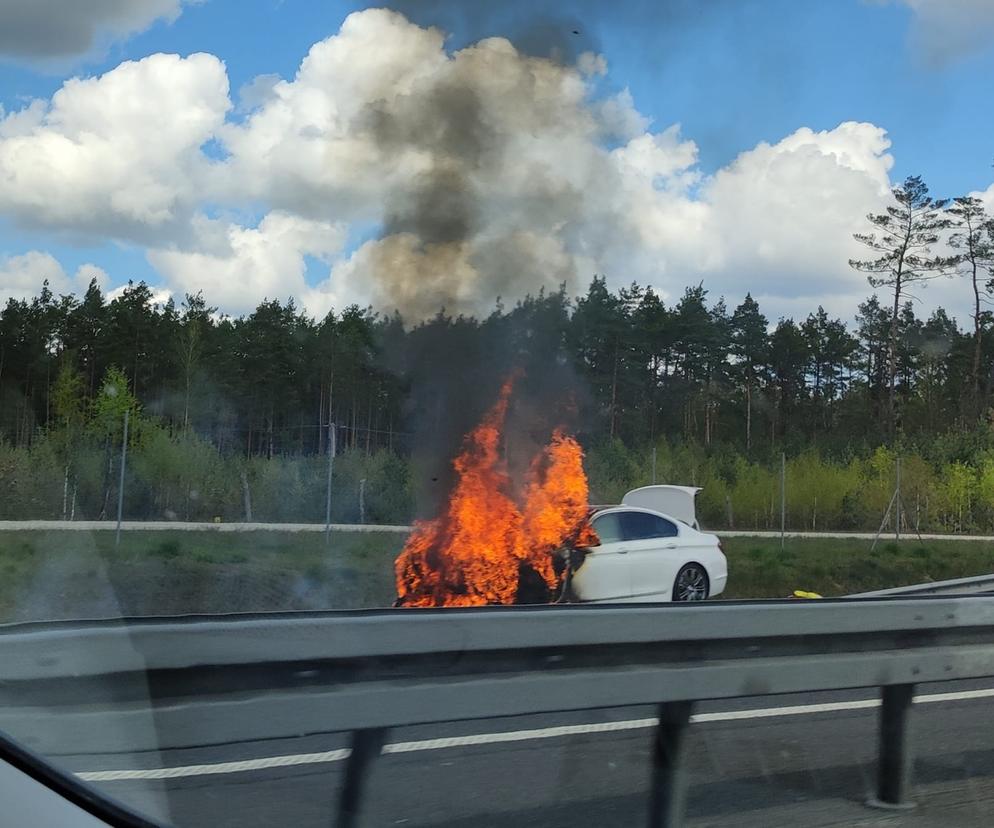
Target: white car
{"type": "Point", "coordinates": [646, 556]}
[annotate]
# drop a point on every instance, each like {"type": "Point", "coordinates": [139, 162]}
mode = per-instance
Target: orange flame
{"type": "Point", "coordinates": [475, 552]}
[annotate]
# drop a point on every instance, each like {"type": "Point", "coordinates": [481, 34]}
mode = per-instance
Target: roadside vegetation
{"type": "Point", "coordinates": [66, 574]}
{"type": "Point", "coordinates": [234, 418]}
{"type": "Point", "coordinates": [180, 476]}
{"type": "Point", "coordinates": [842, 566]}
{"type": "Point", "coordinates": [73, 575]}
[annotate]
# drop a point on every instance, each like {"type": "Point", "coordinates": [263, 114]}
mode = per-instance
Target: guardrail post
{"type": "Point", "coordinates": [366, 746]}
{"type": "Point", "coordinates": [668, 786]}
{"type": "Point", "coordinates": [896, 756]}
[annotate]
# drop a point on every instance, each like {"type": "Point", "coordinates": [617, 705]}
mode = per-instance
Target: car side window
{"type": "Point", "coordinates": [608, 528]}
{"type": "Point", "coordinates": [642, 525]}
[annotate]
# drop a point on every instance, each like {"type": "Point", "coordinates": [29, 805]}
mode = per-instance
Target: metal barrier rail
{"type": "Point", "coordinates": [186, 526]}
{"type": "Point", "coordinates": [365, 672]}
{"type": "Point", "coordinates": [236, 526]}
{"type": "Point", "coordinates": [973, 585]}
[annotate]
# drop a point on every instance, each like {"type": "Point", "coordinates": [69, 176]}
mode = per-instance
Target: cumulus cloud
{"type": "Point", "coordinates": [472, 175]}
{"type": "Point", "coordinates": [54, 28]}
{"type": "Point", "coordinates": [795, 204]}
{"type": "Point", "coordinates": [944, 30]}
{"type": "Point", "coordinates": [486, 168]}
{"type": "Point", "coordinates": [490, 174]}
{"type": "Point", "coordinates": [238, 266]}
{"type": "Point", "coordinates": [22, 276]}
{"type": "Point", "coordinates": [116, 156]}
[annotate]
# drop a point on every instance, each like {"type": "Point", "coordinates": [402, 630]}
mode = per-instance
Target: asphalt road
{"type": "Point", "coordinates": [753, 762]}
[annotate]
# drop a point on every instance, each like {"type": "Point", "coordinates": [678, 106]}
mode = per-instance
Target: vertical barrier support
{"type": "Point", "coordinates": [366, 746]}
{"type": "Point", "coordinates": [669, 754]}
{"type": "Point", "coordinates": [896, 756]}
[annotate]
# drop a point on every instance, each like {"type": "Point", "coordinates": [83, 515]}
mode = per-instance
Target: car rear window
{"type": "Point", "coordinates": [642, 525]}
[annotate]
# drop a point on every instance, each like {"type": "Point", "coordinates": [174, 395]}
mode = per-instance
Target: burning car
{"type": "Point", "coordinates": [501, 540]}
{"type": "Point", "coordinates": [641, 554]}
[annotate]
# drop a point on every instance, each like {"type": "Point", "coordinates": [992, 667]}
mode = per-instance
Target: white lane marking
{"type": "Point", "coordinates": [328, 756]}
{"type": "Point", "coordinates": [793, 710]}
{"type": "Point", "coordinates": [959, 695]}
{"type": "Point", "coordinates": [218, 767]}
{"type": "Point", "coordinates": [518, 735]}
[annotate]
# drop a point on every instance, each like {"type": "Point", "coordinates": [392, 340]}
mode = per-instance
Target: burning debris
{"type": "Point", "coordinates": [487, 547]}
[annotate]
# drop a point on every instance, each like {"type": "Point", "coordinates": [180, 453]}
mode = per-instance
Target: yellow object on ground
{"type": "Point", "coordinates": [800, 593]}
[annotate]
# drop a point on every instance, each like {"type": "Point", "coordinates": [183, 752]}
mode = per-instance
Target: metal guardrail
{"type": "Point", "coordinates": [365, 672]}
{"type": "Point", "coordinates": [184, 526]}
{"type": "Point", "coordinates": [975, 585]}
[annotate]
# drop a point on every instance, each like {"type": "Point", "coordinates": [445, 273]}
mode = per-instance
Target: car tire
{"type": "Point", "coordinates": [691, 583]}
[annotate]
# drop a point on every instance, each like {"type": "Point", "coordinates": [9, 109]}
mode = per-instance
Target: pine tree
{"type": "Point", "coordinates": [973, 238]}
{"type": "Point", "coordinates": [750, 346]}
{"type": "Point", "coordinates": [904, 237]}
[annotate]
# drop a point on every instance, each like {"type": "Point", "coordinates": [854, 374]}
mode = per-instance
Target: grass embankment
{"type": "Point", "coordinates": [841, 566]}
{"type": "Point", "coordinates": [60, 574]}
{"type": "Point", "coordinates": [68, 574]}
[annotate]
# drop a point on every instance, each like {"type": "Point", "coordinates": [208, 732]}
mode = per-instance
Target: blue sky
{"type": "Point", "coordinates": [749, 72]}
{"type": "Point", "coordinates": [744, 73]}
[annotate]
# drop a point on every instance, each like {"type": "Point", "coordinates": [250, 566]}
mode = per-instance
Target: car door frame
{"type": "Point", "coordinates": [590, 583]}
{"type": "Point", "coordinates": [660, 556]}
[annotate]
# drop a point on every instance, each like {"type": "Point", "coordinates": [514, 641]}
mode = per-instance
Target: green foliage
{"type": "Point", "coordinates": [194, 572]}
{"type": "Point", "coordinates": [107, 408]}
{"type": "Point", "coordinates": [835, 567]}
{"type": "Point", "coordinates": [214, 401]}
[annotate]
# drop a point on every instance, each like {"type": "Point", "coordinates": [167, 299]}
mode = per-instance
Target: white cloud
{"type": "Point", "coordinates": [237, 267]}
{"type": "Point", "coordinates": [491, 173]}
{"type": "Point", "coordinates": [55, 28]}
{"type": "Point", "coordinates": [944, 30]}
{"type": "Point", "coordinates": [788, 210]}
{"type": "Point", "coordinates": [22, 276]}
{"type": "Point", "coordinates": [472, 161]}
{"type": "Point", "coordinates": [90, 272]}
{"type": "Point", "coordinates": [116, 156]}
{"type": "Point", "coordinates": [986, 196]}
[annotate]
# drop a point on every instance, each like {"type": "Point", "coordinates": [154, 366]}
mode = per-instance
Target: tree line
{"type": "Point", "coordinates": [723, 382]}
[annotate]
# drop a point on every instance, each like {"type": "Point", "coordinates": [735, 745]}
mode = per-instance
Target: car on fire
{"type": "Point", "coordinates": [643, 554]}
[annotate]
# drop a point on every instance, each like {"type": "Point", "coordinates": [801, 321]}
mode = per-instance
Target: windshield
{"type": "Point", "coordinates": [328, 329]}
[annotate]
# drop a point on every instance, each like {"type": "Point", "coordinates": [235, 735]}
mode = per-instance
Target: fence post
{"type": "Point", "coordinates": [897, 503]}
{"type": "Point", "coordinates": [669, 754]}
{"type": "Point", "coordinates": [896, 756]}
{"type": "Point", "coordinates": [362, 500]}
{"type": "Point", "coordinates": [246, 496]}
{"type": "Point", "coordinates": [120, 487]}
{"type": "Point", "coordinates": [331, 465]}
{"type": "Point", "coordinates": [783, 498]}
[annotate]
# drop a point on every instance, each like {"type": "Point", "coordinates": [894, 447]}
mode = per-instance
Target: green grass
{"type": "Point", "coordinates": [841, 566]}
{"type": "Point", "coordinates": [60, 574]}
